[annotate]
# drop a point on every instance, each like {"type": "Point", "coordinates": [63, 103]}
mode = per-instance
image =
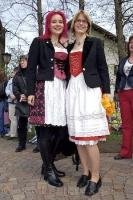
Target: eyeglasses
{"type": "Point", "coordinates": [78, 21]}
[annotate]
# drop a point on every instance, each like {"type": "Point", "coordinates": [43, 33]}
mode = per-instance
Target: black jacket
{"type": "Point", "coordinates": [19, 84]}
{"type": "Point", "coordinates": [40, 63]}
{"type": "Point", "coordinates": [3, 95]}
{"type": "Point", "coordinates": [94, 64]}
{"type": "Point", "coordinates": [121, 78]}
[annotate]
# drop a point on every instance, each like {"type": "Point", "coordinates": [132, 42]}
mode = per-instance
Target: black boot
{"type": "Point", "coordinates": [52, 178]}
{"type": "Point", "coordinates": [20, 148]}
{"type": "Point", "coordinates": [46, 154]}
{"type": "Point", "coordinates": [57, 172]}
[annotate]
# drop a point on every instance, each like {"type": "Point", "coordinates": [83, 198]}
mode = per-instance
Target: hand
{"type": "Point", "coordinates": [23, 97]}
{"type": "Point", "coordinates": [12, 96]}
{"type": "Point", "coordinates": [31, 100]}
{"type": "Point", "coordinates": [107, 95]}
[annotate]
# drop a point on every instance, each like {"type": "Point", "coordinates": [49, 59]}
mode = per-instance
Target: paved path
{"type": "Point", "coordinates": [20, 177]}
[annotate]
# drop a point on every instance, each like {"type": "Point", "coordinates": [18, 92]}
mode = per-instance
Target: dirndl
{"type": "Point", "coordinates": [86, 117]}
{"type": "Point", "coordinates": [49, 106]}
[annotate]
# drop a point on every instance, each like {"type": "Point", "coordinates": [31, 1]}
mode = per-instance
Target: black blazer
{"type": "Point", "coordinates": [121, 78]}
{"type": "Point", "coordinates": [94, 64]}
{"type": "Point", "coordinates": [40, 63]}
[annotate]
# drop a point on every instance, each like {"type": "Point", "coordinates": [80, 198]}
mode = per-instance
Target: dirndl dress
{"type": "Point", "coordinates": [86, 117]}
{"type": "Point", "coordinates": [49, 107]}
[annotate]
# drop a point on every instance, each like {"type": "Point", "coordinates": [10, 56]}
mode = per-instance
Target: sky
{"type": "Point", "coordinates": [12, 18]}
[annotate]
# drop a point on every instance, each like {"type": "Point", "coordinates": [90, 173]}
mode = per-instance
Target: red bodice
{"type": "Point", "coordinates": [75, 60]}
{"type": "Point", "coordinates": [59, 67]}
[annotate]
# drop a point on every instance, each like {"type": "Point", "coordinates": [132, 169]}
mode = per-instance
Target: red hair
{"type": "Point", "coordinates": [47, 33]}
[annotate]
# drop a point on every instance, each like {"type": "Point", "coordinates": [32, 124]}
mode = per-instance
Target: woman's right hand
{"type": "Point", "coordinates": [31, 100]}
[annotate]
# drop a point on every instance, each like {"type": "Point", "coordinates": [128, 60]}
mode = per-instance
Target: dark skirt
{"type": "Point", "coordinates": [36, 113]}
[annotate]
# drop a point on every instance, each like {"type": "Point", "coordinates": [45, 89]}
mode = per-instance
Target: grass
{"type": "Point", "coordinates": [114, 136]}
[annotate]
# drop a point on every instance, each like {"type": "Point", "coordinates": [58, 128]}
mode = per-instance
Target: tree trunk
{"type": "Point", "coordinates": [81, 4]}
{"type": "Point", "coordinates": [2, 44]}
{"type": "Point", "coordinates": [119, 29]}
{"type": "Point", "coordinates": [39, 17]}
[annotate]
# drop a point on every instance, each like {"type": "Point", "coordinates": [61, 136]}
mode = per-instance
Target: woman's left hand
{"type": "Point", "coordinates": [107, 95]}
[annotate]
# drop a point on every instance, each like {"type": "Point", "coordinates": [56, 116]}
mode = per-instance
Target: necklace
{"type": "Point", "coordinates": [79, 43]}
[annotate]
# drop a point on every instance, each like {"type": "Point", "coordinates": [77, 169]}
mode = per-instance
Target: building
{"type": "Point", "coordinates": [110, 48]}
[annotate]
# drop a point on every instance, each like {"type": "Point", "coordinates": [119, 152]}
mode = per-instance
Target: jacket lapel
{"type": "Point", "coordinates": [87, 48]}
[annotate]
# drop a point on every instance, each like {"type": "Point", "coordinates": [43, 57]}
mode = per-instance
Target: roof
{"type": "Point", "coordinates": [104, 31]}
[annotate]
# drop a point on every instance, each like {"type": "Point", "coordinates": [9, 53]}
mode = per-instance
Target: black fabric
{"type": "Point", "coordinates": [61, 142]}
{"type": "Point", "coordinates": [19, 88]}
{"type": "Point", "coordinates": [22, 109]}
{"type": "Point", "coordinates": [121, 78]}
{"type": "Point", "coordinates": [19, 84]}
{"type": "Point", "coordinates": [22, 131]}
{"type": "Point", "coordinates": [2, 90]}
{"type": "Point", "coordinates": [45, 145]}
{"type": "Point", "coordinates": [55, 140]}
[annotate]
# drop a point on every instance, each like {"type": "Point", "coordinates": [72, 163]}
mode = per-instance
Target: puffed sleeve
{"type": "Point", "coordinates": [33, 60]}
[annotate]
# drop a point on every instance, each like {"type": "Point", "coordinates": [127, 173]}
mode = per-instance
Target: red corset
{"type": "Point", "coordinates": [75, 60]}
{"type": "Point", "coordinates": [60, 62]}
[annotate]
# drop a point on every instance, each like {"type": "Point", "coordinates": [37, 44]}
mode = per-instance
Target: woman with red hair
{"type": "Point", "coordinates": [46, 91]}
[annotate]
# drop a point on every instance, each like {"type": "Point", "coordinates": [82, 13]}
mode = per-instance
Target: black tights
{"type": "Point", "coordinates": [50, 139]}
{"type": "Point", "coordinates": [22, 130]}
{"type": "Point", "coordinates": [45, 144]}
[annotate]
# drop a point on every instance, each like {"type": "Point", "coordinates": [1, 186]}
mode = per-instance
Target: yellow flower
{"type": "Point", "coordinates": [108, 105]}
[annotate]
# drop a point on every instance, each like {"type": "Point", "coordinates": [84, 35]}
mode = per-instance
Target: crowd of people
{"type": "Point", "coordinates": [58, 89]}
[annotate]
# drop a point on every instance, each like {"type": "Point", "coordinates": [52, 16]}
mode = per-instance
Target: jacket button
{"type": "Point", "coordinates": [83, 69]}
{"type": "Point", "coordinates": [52, 67]}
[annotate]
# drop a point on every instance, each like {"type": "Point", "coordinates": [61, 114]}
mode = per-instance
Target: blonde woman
{"type": "Point", "coordinates": [86, 117]}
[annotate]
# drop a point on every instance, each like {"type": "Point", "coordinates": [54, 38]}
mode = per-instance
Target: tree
{"type": "Point", "coordinates": [120, 14]}
{"type": "Point", "coordinates": [119, 29]}
{"type": "Point", "coordinates": [81, 4]}
{"type": "Point", "coordinates": [39, 17]}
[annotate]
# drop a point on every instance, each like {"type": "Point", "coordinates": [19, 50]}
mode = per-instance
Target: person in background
{"type": "Point", "coordinates": [3, 102]}
{"type": "Point", "coordinates": [11, 106]}
{"type": "Point", "coordinates": [46, 82]}
{"type": "Point", "coordinates": [124, 92]}
{"type": "Point", "coordinates": [86, 117]}
{"type": "Point", "coordinates": [20, 92]}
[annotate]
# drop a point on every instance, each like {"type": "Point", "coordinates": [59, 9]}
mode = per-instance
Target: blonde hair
{"type": "Point", "coordinates": [86, 16]}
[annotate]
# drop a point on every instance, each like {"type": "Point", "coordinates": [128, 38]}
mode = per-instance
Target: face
{"type": "Point", "coordinates": [131, 46]}
{"type": "Point", "coordinates": [13, 74]}
{"type": "Point", "coordinates": [81, 24]}
{"type": "Point", "coordinates": [56, 25]}
{"type": "Point", "coordinates": [23, 63]}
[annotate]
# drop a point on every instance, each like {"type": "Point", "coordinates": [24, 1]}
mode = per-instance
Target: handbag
{"type": "Point", "coordinates": [22, 109]}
